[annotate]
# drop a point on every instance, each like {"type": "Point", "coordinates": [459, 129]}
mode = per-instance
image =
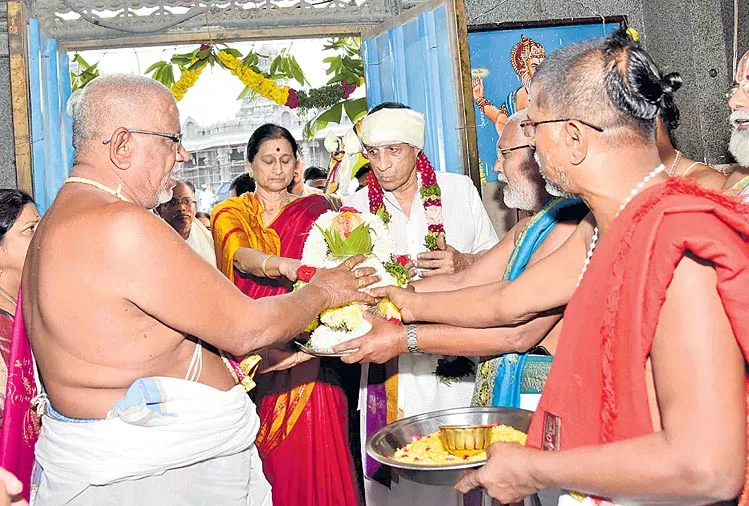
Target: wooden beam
{"type": "Point", "coordinates": [469, 142]}
{"type": "Point", "coordinates": [19, 90]}
{"type": "Point", "coordinates": [197, 37]}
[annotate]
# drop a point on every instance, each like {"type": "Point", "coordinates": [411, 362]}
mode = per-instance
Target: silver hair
{"type": "Point", "coordinates": [518, 115]}
{"type": "Point", "coordinates": [551, 187]}
{"type": "Point", "coordinates": [108, 97]}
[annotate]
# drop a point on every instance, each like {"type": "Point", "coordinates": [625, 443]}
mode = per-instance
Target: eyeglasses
{"type": "Point", "coordinates": [503, 151]}
{"type": "Point", "coordinates": [736, 87]}
{"type": "Point", "coordinates": [529, 127]}
{"type": "Point", "coordinates": [394, 150]}
{"type": "Point", "coordinates": [184, 201]}
{"type": "Point", "coordinates": [175, 138]}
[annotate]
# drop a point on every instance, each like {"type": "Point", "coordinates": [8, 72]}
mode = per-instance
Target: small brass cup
{"type": "Point", "coordinates": [466, 440]}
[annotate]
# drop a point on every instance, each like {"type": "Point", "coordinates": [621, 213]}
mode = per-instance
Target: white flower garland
{"type": "Point", "coordinates": [345, 323]}
{"type": "Point", "coordinates": [315, 253]}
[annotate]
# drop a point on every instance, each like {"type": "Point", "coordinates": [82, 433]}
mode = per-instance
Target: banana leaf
{"type": "Point", "coordinates": [358, 241]}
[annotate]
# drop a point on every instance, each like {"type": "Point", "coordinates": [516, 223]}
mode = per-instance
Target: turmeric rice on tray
{"type": "Point", "coordinates": [429, 450]}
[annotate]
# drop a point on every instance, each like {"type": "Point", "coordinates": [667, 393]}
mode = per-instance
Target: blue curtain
{"type": "Point", "coordinates": [51, 126]}
{"type": "Point", "coordinates": [413, 64]}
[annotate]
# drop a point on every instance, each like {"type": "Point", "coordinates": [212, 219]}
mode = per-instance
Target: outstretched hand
{"type": "Point", "coordinates": [10, 488]}
{"type": "Point", "coordinates": [385, 341]}
{"type": "Point", "coordinates": [477, 88]}
{"type": "Point", "coordinates": [444, 260]}
{"type": "Point", "coordinates": [505, 477]}
{"type": "Point", "coordinates": [288, 267]}
{"type": "Point", "coordinates": [344, 284]}
{"type": "Point", "coordinates": [403, 298]}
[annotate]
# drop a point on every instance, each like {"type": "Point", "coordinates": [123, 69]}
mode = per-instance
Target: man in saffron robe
{"type": "Point", "coordinates": [665, 285]}
{"type": "Point", "coordinates": [259, 238]}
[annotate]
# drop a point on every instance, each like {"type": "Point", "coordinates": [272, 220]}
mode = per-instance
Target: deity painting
{"type": "Point", "coordinates": [525, 57]}
{"type": "Point", "coordinates": [503, 62]}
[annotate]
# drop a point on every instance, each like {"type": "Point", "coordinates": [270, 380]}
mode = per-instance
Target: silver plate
{"type": "Point", "coordinates": [384, 443]}
{"type": "Point", "coordinates": [322, 352]}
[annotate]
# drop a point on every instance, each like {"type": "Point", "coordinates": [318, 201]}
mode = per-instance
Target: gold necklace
{"type": "Point", "coordinates": [672, 170]}
{"type": "Point", "coordinates": [117, 192]}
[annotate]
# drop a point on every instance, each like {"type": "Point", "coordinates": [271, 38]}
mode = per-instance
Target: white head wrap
{"type": "Point", "coordinates": [390, 126]}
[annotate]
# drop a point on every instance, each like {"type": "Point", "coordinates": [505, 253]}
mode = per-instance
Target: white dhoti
{"type": "Point", "coordinates": [168, 441]}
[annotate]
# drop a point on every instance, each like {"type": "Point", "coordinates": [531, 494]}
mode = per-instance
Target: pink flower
{"type": "Point", "coordinates": [348, 88]}
{"type": "Point", "coordinates": [346, 209]}
{"type": "Point", "coordinates": [345, 222]}
{"type": "Point", "coordinates": [434, 215]}
{"type": "Point", "coordinates": [293, 101]}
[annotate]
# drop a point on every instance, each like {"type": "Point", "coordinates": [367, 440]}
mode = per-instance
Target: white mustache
{"type": "Point", "coordinates": [738, 115]}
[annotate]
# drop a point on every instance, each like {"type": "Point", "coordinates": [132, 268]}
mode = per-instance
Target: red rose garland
{"type": "Point", "coordinates": [448, 369]}
{"type": "Point", "coordinates": [430, 198]}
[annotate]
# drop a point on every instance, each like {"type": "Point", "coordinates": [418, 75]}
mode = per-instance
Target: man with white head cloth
{"type": "Point", "coordinates": [439, 221]}
{"type": "Point", "coordinates": [738, 101]}
{"type": "Point", "coordinates": [515, 377]}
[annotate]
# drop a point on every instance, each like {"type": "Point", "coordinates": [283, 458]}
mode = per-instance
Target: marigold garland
{"type": "Point", "coordinates": [256, 82]}
{"type": "Point", "coordinates": [186, 81]}
{"type": "Point", "coordinates": [322, 97]}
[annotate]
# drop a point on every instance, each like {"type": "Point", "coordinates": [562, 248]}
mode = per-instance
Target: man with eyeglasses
{"type": "Point", "coordinates": [654, 345]}
{"type": "Point", "coordinates": [529, 241]}
{"type": "Point", "coordinates": [738, 101]}
{"type": "Point", "coordinates": [117, 307]}
{"type": "Point", "coordinates": [393, 138]}
{"type": "Point", "coordinates": [180, 212]}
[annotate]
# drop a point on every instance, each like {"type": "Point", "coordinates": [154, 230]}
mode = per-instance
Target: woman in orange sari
{"type": "Point", "coordinates": [259, 238]}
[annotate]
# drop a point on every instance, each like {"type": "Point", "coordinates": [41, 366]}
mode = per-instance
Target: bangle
{"type": "Point", "coordinates": [481, 103]}
{"type": "Point", "coordinates": [262, 265]}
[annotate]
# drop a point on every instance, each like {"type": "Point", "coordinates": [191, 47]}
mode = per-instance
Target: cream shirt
{"type": "Point", "coordinates": [201, 241]}
{"type": "Point", "coordinates": [467, 229]}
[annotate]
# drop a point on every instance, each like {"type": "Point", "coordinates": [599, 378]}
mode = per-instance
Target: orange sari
{"type": "Point", "coordinates": [303, 437]}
